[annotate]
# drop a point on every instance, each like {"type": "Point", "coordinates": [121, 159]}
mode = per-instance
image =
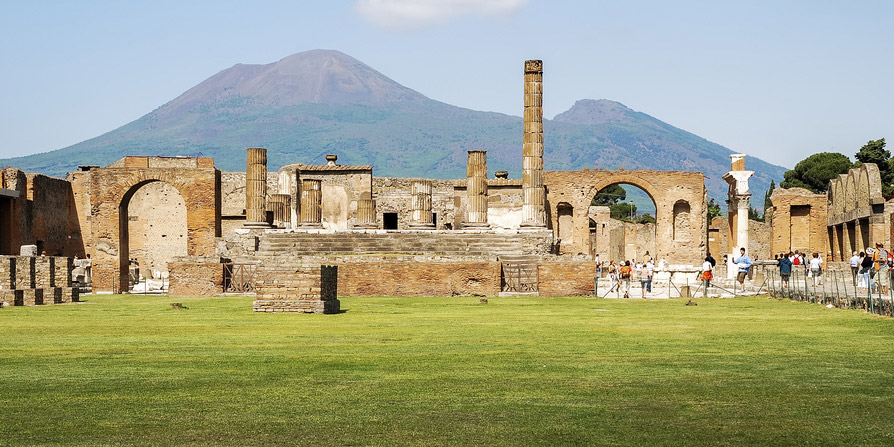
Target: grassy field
{"type": "Point", "coordinates": [132, 370]}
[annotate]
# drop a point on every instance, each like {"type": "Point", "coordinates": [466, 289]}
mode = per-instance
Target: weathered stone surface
{"type": "Point", "coordinates": [297, 288]}
{"type": "Point", "coordinates": [576, 190]}
{"type": "Point", "coordinates": [195, 276]}
{"type": "Point", "coordinates": [799, 223]}
{"type": "Point", "coordinates": [111, 189]}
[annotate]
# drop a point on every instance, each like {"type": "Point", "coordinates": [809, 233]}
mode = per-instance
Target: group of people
{"type": "Point", "coordinates": [866, 265]}
{"type": "Point", "coordinates": [620, 274]}
{"type": "Point", "coordinates": [813, 267]}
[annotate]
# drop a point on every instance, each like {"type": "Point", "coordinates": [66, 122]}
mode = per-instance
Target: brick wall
{"type": "Point", "coordinates": [29, 281]}
{"type": "Point", "coordinates": [566, 278]}
{"type": "Point", "coordinates": [195, 277]}
{"type": "Point", "coordinates": [409, 278]}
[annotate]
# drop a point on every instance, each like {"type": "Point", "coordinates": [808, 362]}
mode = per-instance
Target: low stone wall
{"type": "Point", "coordinates": [36, 280]}
{"type": "Point", "coordinates": [195, 276]}
{"type": "Point", "coordinates": [566, 278]}
{"type": "Point", "coordinates": [300, 288]}
{"type": "Point", "coordinates": [413, 278]}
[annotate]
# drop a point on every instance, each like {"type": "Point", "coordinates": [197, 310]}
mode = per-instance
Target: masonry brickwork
{"type": "Point", "coordinates": [301, 288]}
{"type": "Point", "coordinates": [799, 223]}
{"type": "Point", "coordinates": [36, 280]}
{"type": "Point", "coordinates": [195, 276]}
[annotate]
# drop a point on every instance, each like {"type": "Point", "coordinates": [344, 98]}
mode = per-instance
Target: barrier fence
{"type": "Point", "coordinates": [871, 291]}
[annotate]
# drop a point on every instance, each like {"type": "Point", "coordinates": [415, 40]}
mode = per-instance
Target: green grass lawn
{"type": "Point", "coordinates": [131, 370]}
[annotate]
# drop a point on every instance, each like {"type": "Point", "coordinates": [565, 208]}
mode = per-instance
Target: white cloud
{"type": "Point", "coordinates": [417, 13]}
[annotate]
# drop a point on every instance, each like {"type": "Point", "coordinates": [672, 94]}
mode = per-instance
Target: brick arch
{"type": "Point", "coordinates": [111, 189]}
{"type": "Point", "coordinates": [625, 179]}
{"type": "Point", "coordinates": [664, 188]}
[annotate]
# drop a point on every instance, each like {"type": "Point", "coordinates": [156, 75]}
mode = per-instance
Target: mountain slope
{"type": "Point", "coordinates": [317, 102]}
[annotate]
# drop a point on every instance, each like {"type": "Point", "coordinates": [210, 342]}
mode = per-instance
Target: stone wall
{"type": "Point", "coordinates": [799, 222]}
{"type": "Point", "coordinates": [156, 228]}
{"type": "Point", "coordinates": [113, 187]}
{"type": "Point", "coordinates": [566, 278]}
{"type": "Point", "coordinates": [759, 239]}
{"type": "Point", "coordinates": [195, 276]}
{"type": "Point", "coordinates": [36, 280]}
{"type": "Point", "coordinates": [414, 278]}
{"type": "Point", "coordinates": [301, 288]}
{"type": "Point", "coordinates": [392, 195]}
{"type": "Point", "coordinates": [42, 214]}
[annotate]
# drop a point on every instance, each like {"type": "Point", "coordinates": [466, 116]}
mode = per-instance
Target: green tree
{"type": "Point", "coordinates": [874, 152]}
{"type": "Point", "coordinates": [646, 218]}
{"type": "Point", "coordinates": [767, 202]}
{"type": "Point", "coordinates": [623, 211]}
{"type": "Point", "coordinates": [815, 171]}
{"type": "Point", "coordinates": [713, 210]}
{"type": "Point", "coordinates": [609, 195]}
{"type": "Point", "coordinates": [754, 214]}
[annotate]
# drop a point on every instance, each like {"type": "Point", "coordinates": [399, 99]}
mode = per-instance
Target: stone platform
{"type": "Point", "coordinates": [297, 288]}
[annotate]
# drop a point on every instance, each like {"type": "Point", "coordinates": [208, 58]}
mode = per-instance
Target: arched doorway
{"type": "Point", "coordinates": [154, 233]}
{"type": "Point", "coordinates": [622, 223]}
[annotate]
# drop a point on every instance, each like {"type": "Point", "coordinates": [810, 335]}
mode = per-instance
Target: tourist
{"type": "Point", "coordinates": [785, 269]}
{"type": "Point", "coordinates": [650, 269]}
{"type": "Point", "coordinates": [710, 259]}
{"type": "Point", "coordinates": [855, 266]}
{"type": "Point", "coordinates": [865, 267]}
{"type": "Point", "coordinates": [707, 273]}
{"type": "Point", "coordinates": [816, 268]}
{"type": "Point", "coordinates": [624, 274]}
{"type": "Point", "coordinates": [613, 276]}
{"type": "Point", "coordinates": [744, 264]}
{"type": "Point", "coordinates": [647, 258]}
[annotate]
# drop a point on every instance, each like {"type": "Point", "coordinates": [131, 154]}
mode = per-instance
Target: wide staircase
{"type": "Point", "coordinates": [295, 244]}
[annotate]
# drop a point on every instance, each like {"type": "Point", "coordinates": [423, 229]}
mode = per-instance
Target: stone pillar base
{"type": "Point", "coordinates": [298, 306]}
{"type": "Point", "coordinates": [421, 226]}
{"type": "Point", "coordinates": [257, 225]}
{"type": "Point", "coordinates": [310, 226]}
{"type": "Point", "coordinates": [476, 225]}
{"type": "Point", "coordinates": [532, 224]}
{"type": "Point", "coordinates": [364, 227]}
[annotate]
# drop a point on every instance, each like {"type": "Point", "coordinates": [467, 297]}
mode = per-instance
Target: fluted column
{"type": "Point", "coordinates": [280, 204]}
{"type": "Point", "coordinates": [421, 205]}
{"type": "Point", "coordinates": [476, 189]}
{"type": "Point", "coordinates": [534, 204]}
{"type": "Point", "coordinates": [256, 187]}
{"type": "Point", "coordinates": [311, 203]}
{"type": "Point", "coordinates": [366, 211]}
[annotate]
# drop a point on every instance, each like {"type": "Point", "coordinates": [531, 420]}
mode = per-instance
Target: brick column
{"type": "Point", "coordinates": [476, 189]}
{"type": "Point", "coordinates": [311, 203]}
{"type": "Point", "coordinates": [534, 205]}
{"type": "Point", "coordinates": [421, 205]}
{"type": "Point", "coordinates": [256, 187]}
{"type": "Point", "coordinates": [366, 211]}
{"type": "Point", "coordinates": [280, 204]}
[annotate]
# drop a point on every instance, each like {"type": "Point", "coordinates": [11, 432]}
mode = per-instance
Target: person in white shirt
{"type": "Point", "coordinates": [855, 266]}
{"type": "Point", "coordinates": [816, 268]}
{"type": "Point", "coordinates": [707, 274]}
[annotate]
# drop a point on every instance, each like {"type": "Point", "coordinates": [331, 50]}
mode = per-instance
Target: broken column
{"type": "Point", "coordinates": [737, 209]}
{"type": "Point", "coordinates": [533, 207]}
{"type": "Point", "coordinates": [280, 204]}
{"type": "Point", "coordinates": [311, 203]}
{"type": "Point", "coordinates": [366, 211]}
{"type": "Point", "coordinates": [476, 189]}
{"type": "Point", "coordinates": [421, 205]}
{"type": "Point", "coordinates": [256, 187]}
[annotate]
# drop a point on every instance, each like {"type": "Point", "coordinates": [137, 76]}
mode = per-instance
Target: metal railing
{"type": "Point", "coordinates": [872, 291]}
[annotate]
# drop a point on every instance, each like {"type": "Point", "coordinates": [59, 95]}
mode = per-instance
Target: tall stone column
{"type": "Point", "coordinates": [421, 204]}
{"type": "Point", "coordinates": [737, 208]}
{"type": "Point", "coordinates": [476, 190]}
{"type": "Point", "coordinates": [280, 204]}
{"type": "Point", "coordinates": [311, 203]}
{"type": "Point", "coordinates": [366, 211]}
{"type": "Point", "coordinates": [256, 187]}
{"type": "Point", "coordinates": [534, 205]}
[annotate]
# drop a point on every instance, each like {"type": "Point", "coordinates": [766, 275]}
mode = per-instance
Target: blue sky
{"type": "Point", "coordinates": [778, 80]}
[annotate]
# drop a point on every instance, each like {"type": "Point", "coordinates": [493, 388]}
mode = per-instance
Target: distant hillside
{"type": "Point", "coordinates": [320, 102]}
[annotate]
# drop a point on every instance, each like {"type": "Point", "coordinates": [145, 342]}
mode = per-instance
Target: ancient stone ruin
{"type": "Point", "coordinates": [298, 237]}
